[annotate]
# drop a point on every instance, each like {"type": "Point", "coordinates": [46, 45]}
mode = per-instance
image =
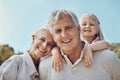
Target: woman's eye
{"type": "Point", "coordinates": [43, 40]}
{"type": "Point", "coordinates": [50, 45]}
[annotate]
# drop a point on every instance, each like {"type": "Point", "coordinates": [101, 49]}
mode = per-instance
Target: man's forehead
{"type": "Point", "coordinates": [64, 21]}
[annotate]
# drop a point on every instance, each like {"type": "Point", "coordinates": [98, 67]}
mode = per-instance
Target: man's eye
{"type": "Point", "coordinates": [58, 31]}
{"type": "Point", "coordinates": [69, 28]}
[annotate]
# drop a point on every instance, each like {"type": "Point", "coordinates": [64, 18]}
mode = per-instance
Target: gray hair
{"type": "Point", "coordinates": [39, 30]}
{"type": "Point", "coordinates": [59, 14]}
{"type": "Point", "coordinates": [100, 34]}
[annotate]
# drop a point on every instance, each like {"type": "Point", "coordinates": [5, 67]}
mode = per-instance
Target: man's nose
{"type": "Point", "coordinates": [64, 34]}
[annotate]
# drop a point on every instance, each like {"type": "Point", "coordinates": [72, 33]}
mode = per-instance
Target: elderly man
{"type": "Point", "coordinates": [65, 29]}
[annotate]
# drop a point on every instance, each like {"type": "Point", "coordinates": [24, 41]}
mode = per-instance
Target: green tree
{"type": "Point", "coordinates": [19, 53]}
{"type": "Point", "coordinates": [5, 52]}
{"type": "Point", "coordinates": [115, 47]}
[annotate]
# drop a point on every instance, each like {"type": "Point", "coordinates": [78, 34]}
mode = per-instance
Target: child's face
{"type": "Point", "coordinates": [89, 26]}
{"type": "Point", "coordinates": [42, 43]}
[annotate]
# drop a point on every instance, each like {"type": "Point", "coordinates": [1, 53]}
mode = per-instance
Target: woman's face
{"type": "Point", "coordinates": [42, 44]}
{"type": "Point", "coordinates": [89, 26]}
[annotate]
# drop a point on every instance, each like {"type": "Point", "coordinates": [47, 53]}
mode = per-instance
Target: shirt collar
{"type": "Point", "coordinates": [79, 59]}
{"type": "Point", "coordinates": [30, 65]}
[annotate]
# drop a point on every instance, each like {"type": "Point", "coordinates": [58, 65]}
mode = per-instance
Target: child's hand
{"type": "Point", "coordinates": [57, 59]}
{"type": "Point", "coordinates": [88, 57]}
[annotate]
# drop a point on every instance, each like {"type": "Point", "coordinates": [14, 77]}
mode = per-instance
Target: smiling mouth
{"type": "Point", "coordinates": [67, 41]}
{"type": "Point", "coordinates": [87, 30]}
{"type": "Point", "coordinates": [41, 50]}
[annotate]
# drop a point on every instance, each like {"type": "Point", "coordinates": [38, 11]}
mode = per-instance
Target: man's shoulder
{"type": "Point", "coordinates": [105, 55]}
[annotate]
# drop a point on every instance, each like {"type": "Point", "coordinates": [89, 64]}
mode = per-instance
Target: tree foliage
{"type": "Point", "coordinates": [116, 48]}
{"type": "Point", "coordinates": [5, 52]}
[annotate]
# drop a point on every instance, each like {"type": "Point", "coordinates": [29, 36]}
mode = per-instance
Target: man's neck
{"type": "Point", "coordinates": [75, 53]}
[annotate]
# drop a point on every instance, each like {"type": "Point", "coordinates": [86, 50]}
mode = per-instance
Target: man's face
{"type": "Point", "coordinates": [66, 34]}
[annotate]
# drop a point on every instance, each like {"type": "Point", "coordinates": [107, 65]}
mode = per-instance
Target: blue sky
{"type": "Point", "coordinates": [20, 18]}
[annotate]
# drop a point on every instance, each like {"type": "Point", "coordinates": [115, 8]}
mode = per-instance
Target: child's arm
{"type": "Point", "coordinates": [99, 45]}
{"type": "Point", "coordinates": [88, 56]}
{"type": "Point", "coordinates": [57, 59]}
{"type": "Point", "coordinates": [96, 45]}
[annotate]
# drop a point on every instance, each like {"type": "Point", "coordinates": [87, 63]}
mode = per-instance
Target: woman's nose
{"type": "Point", "coordinates": [44, 44]}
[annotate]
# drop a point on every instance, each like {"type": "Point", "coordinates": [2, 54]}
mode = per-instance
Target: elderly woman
{"type": "Point", "coordinates": [25, 67]}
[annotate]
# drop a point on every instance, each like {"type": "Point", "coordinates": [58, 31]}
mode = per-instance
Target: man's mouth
{"type": "Point", "coordinates": [67, 41]}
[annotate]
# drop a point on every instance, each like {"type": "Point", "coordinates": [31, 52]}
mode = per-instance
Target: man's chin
{"type": "Point", "coordinates": [66, 48]}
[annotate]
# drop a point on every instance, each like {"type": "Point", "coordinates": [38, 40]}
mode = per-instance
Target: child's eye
{"type": "Point", "coordinates": [92, 24]}
{"type": "Point", "coordinates": [84, 24]}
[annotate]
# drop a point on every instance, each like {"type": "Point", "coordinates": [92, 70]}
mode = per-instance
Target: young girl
{"type": "Point", "coordinates": [90, 32]}
{"type": "Point", "coordinates": [25, 66]}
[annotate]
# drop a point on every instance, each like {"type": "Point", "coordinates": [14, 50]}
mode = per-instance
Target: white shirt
{"type": "Point", "coordinates": [19, 67]}
{"type": "Point", "coordinates": [106, 66]}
